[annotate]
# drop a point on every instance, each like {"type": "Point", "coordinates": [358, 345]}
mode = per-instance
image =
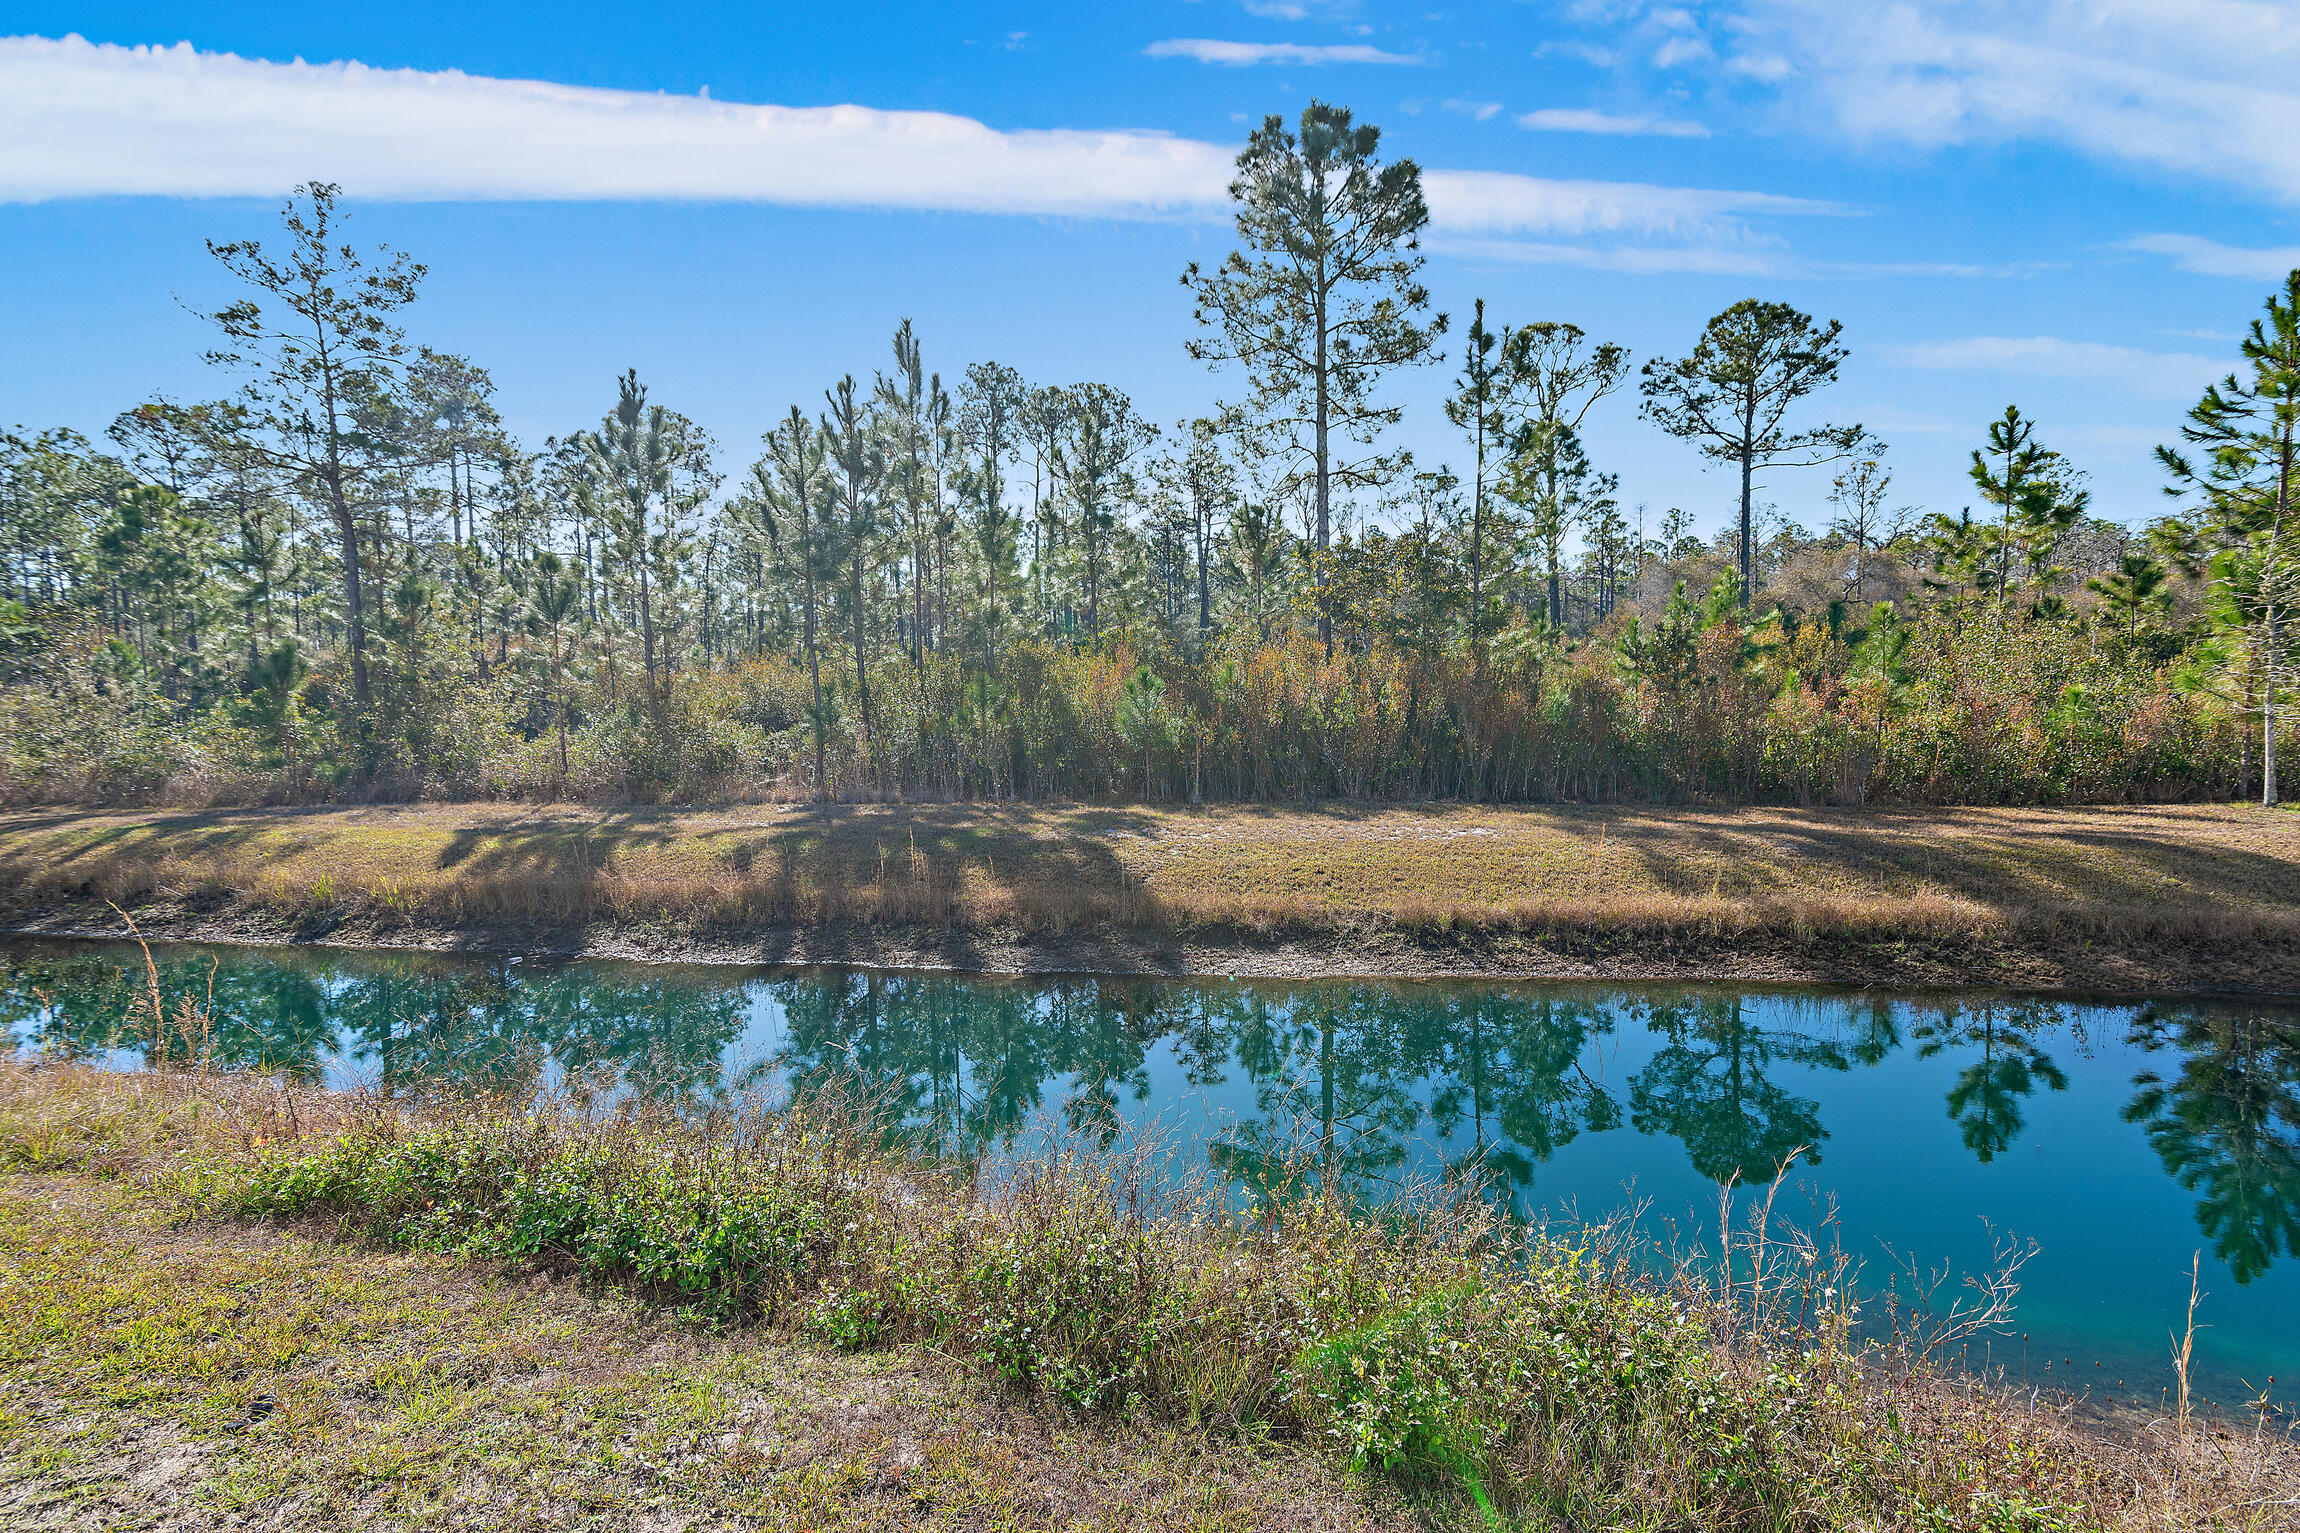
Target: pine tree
{"type": "Point", "coordinates": [1730, 396]}
{"type": "Point", "coordinates": [1094, 464]}
{"type": "Point", "coordinates": [649, 468]}
{"type": "Point", "coordinates": [1859, 492]}
{"type": "Point", "coordinates": [338, 349]}
{"type": "Point", "coordinates": [553, 603]}
{"type": "Point", "coordinates": [859, 470]}
{"type": "Point", "coordinates": [2037, 496]}
{"type": "Point", "coordinates": [990, 406]}
{"type": "Point", "coordinates": [792, 504]}
{"type": "Point", "coordinates": [2249, 426]}
{"type": "Point", "coordinates": [1480, 405]}
{"type": "Point", "coordinates": [1329, 298]}
{"type": "Point", "coordinates": [1557, 378]}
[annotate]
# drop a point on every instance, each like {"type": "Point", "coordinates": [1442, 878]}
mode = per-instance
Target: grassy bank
{"type": "Point", "coordinates": [2205, 896]}
{"type": "Point", "coordinates": [521, 1318]}
{"type": "Point", "coordinates": [163, 1373]}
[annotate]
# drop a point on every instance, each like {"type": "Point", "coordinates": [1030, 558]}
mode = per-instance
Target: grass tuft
{"type": "Point", "coordinates": [1510, 1375]}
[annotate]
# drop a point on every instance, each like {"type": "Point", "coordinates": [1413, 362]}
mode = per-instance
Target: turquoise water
{"type": "Point", "coordinates": [2122, 1137]}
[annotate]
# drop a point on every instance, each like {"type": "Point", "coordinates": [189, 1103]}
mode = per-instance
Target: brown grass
{"type": "Point", "coordinates": [1593, 880]}
{"type": "Point", "coordinates": [157, 1374]}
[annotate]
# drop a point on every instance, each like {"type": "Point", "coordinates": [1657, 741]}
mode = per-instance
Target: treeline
{"type": "Point", "coordinates": [346, 579]}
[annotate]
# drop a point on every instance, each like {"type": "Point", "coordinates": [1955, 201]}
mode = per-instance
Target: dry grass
{"type": "Point", "coordinates": [226, 1375]}
{"type": "Point", "coordinates": [1605, 880]}
{"type": "Point", "coordinates": [163, 1375]}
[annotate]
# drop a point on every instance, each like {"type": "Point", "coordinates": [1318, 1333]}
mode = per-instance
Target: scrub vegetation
{"type": "Point", "coordinates": [561, 1314]}
{"type": "Point", "coordinates": [344, 580]}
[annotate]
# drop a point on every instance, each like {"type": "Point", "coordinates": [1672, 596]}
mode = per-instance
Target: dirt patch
{"type": "Point", "coordinates": [2270, 969]}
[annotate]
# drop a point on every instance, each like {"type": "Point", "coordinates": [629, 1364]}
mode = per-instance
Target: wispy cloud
{"type": "Point", "coordinates": [1207, 50]}
{"type": "Point", "coordinates": [2209, 258]}
{"type": "Point", "coordinates": [79, 119]}
{"type": "Point", "coordinates": [2174, 374]}
{"type": "Point", "coordinates": [2197, 87]}
{"type": "Point", "coordinates": [1588, 53]}
{"type": "Point", "coordinates": [1730, 259]}
{"type": "Point", "coordinates": [1487, 202]}
{"type": "Point", "coordinates": [1477, 111]}
{"type": "Point", "coordinates": [1560, 119]}
{"type": "Point", "coordinates": [1301, 10]}
{"type": "Point", "coordinates": [1607, 225]}
{"type": "Point", "coordinates": [1677, 51]}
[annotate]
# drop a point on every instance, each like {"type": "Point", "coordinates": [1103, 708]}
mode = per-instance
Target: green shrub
{"type": "Point", "coordinates": [1431, 1342]}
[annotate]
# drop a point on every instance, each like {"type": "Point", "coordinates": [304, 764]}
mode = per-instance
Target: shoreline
{"type": "Point", "coordinates": [397, 1259]}
{"type": "Point", "coordinates": [2230, 972]}
{"type": "Point", "coordinates": [2101, 900]}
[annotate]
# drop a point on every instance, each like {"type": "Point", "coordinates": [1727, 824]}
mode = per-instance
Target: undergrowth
{"type": "Point", "coordinates": [1431, 1341]}
{"type": "Point", "coordinates": [1522, 1378]}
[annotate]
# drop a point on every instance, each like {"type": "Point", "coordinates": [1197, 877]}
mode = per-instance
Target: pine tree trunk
{"type": "Point", "coordinates": [1748, 467]}
{"type": "Point", "coordinates": [2268, 716]}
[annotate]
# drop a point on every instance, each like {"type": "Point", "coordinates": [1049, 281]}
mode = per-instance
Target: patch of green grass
{"type": "Point", "coordinates": [1432, 1343]}
{"type": "Point", "coordinates": [143, 1384]}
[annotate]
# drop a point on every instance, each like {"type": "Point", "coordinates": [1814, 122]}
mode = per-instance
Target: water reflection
{"type": "Point", "coordinates": [407, 1022]}
{"type": "Point", "coordinates": [1709, 1086]}
{"type": "Point", "coordinates": [2007, 1063]}
{"type": "Point", "coordinates": [1512, 1069]}
{"type": "Point", "coordinates": [1364, 1082]}
{"type": "Point", "coordinates": [2223, 1114]}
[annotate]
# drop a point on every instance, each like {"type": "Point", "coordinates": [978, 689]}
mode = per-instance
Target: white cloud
{"type": "Point", "coordinates": [1618, 225]}
{"type": "Point", "coordinates": [2175, 374]}
{"type": "Point", "coordinates": [1723, 259]}
{"type": "Point", "coordinates": [1480, 111]}
{"type": "Point", "coordinates": [1495, 204]}
{"type": "Point", "coordinates": [1300, 10]}
{"type": "Point", "coordinates": [77, 120]}
{"type": "Point", "coordinates": [1681, 50]}
{"type": "Point", "coordinates": [2196, 87]}
{"type": "Point", "coordinates": [1588, 53]}
{"type": "Point", "coordinates": [1207, 50]}
{"type": "Point", "coordinates": [2209, 258]}
{"type": "Point", "coordinates": [1560, 119]}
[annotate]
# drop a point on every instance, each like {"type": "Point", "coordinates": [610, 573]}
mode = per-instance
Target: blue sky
{"type": "Point", "coordinates": [2071, 204]}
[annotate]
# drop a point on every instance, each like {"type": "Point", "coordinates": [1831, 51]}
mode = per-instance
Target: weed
{"type": "Point", "coordinates": [1514, 1374]}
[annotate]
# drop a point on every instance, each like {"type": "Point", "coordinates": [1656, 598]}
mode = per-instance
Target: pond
{"type": "Point", "coordinates": [2122, 1137]}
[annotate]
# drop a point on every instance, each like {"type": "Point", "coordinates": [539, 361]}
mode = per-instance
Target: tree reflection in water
{"type": "Point", "coordinates": [1344, 1085]}
{"type": "Point", "coordinates": [965, 1063]}
{"type": "Point", "coordinates": [1707, 1088]}
{"type": "Point", "coordinates": [79, 1002]}
{"type": "Point", "coordinates": [1330, 1093]}
{"type": "Point", "coordinates": [2011, 1064]}
{"type": "Point", "coordinates": [411, 1024]}
{"type": "Point", "coordinates": [2225, 1121]}
{"type": "Point", "coordinates": [1509, 1069]}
